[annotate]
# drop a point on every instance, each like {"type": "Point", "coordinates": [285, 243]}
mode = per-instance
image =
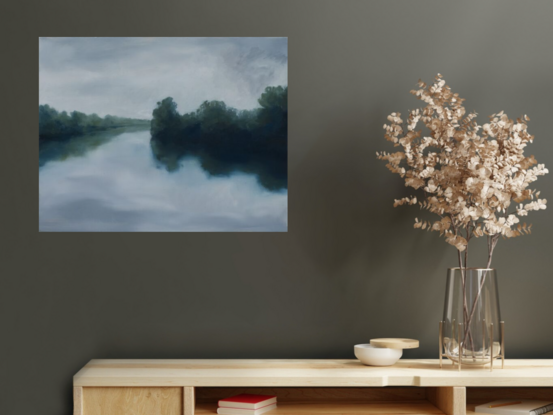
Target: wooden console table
{"type": "Point", "coordinates": [322, 387]}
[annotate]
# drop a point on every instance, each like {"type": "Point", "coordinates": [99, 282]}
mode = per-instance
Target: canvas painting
{"type": "Point", "coordinates": [163, 134]}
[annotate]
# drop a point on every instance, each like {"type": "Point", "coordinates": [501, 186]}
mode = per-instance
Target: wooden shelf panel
{"type": "Point", "coordinates": [132, 401]}
{"type": "Point", "coordinates": [305, 373]}
{"type": "Point", "coordinates": [334, 408]}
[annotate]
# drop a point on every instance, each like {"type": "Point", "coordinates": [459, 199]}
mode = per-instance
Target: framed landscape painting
{"type": "Point", "coordinates": [163, 134]}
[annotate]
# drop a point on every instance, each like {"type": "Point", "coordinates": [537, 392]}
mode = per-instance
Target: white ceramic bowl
{"type": "Point", "coordinates": [376, 356]}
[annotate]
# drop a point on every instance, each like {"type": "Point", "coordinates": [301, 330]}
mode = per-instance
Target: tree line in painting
{"type": "Point", "coordinates": [56, 125]}
{"type": "Point", "coordinates": [225, 139]}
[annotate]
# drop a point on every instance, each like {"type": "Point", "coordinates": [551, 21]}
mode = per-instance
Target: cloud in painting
{"type": "Point", "coordinates": [127, 76]}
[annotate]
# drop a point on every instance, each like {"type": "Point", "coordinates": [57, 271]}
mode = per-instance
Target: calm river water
{"type": "Point", "coordinates": [111, 182]}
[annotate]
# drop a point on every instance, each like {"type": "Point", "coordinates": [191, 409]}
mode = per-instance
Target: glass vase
{"type": "Point", "coordinates": [471, 332]}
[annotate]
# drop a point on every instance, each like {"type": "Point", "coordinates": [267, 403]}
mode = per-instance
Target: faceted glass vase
{"type": "Point", "coordinates": [472, 330]}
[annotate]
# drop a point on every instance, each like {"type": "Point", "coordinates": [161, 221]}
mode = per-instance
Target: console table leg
{"type": "Point", "coordinates": [77, 400]}
{"type": "Point", "coordinates": [189, 400]}
{"type": "Point", "coordinates": [450, 400]}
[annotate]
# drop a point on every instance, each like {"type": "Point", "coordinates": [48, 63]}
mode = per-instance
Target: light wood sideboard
{"type": "Point", "coordinates": [322, 387]}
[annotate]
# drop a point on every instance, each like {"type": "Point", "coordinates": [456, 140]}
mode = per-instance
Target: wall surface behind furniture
{"type": "Point", "coordinates": [350, 268]}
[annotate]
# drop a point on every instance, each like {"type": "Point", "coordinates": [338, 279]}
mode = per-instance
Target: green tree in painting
{"type": "Point", "coordinates": [225, 139]}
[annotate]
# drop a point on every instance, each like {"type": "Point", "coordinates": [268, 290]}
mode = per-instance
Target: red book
{"type": "Point", "coordinates": [247, 401]}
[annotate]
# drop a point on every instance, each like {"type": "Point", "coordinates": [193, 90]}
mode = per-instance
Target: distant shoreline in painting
{"type": "Point", "coordinates": [163, 135]}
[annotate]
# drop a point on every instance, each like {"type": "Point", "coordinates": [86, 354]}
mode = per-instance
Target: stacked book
{"type": "Point", "coordinates": [247, 404]}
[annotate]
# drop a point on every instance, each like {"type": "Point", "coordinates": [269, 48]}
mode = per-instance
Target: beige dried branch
{"type": "Point", "coordinates": [475, 178]}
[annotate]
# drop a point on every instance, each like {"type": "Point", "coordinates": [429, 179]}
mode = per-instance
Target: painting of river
{"type": "Point", "coordinates": [163, 135]}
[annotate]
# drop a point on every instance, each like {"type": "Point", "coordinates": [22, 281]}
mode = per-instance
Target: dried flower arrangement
{"type": "Point", "coordinates": [475, 178]}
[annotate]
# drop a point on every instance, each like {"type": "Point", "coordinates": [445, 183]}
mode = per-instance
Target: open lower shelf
{"type": "Point", "coordinates": [336, 401]}
{"type": "Point", "coordinates": [373, 401]}
{"type": "Point", "coordinates": [333, 408]}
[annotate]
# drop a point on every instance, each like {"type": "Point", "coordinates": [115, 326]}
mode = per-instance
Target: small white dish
{"type": "Point", "coordinates": [376, 356]}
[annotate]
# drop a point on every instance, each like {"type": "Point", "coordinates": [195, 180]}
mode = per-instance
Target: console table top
{"type": "Point", "coordinates": [305, 373]}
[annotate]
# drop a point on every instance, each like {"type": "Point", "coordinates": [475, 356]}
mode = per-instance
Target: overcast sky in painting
{"type": "Point", "coordinates": [127, 76]}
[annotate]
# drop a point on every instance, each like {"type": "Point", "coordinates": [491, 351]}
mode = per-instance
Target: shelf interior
{"type": "Point", "coordinates": [331, 401]}
{"type": "Point", "coordinates": [478, 396]}
{"type": "Point", "coordinates": [369, 400]}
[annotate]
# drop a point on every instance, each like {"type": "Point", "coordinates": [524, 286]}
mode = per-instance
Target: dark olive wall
{"type": "Point", "coordinates": [350, 268]}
